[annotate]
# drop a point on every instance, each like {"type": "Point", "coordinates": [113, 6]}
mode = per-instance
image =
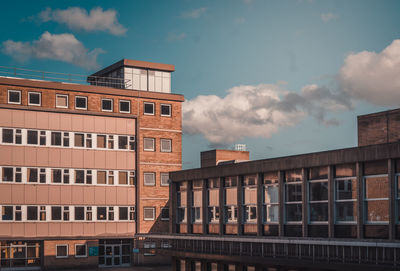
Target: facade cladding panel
{"type": "Point", "coordinates": [71, 175]}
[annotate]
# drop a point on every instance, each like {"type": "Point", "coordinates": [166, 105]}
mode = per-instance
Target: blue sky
{"type": "Point", "coordinates": [276, 54]}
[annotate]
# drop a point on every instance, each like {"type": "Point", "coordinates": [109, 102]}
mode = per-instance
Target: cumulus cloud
{"type": "Point", "coordinates": [194, 13]}
{"type": "Point", "coordinates": [374, 77]}
{"type": "Point", "coordinates": [62, 47]}
{"type": "Point", "coordinates": [257, 111]}
{"type": "Point", "coordinates": [78, 18]}
{"type": "Point", "coordinates": [326, 17]}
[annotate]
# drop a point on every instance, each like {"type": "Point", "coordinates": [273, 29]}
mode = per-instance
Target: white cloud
{"type": "Point", "coordinates": [257, 111]}
{"type": "Point", "coordinates": [172, 36]}
{"type": "Point", "coordinates": [194, 13]}
{"type": "Point", "coordinates": [79, 19]}
{"type": "Point", "coordinates": [62, 47]}
{"type": "Point", "coordinates": [374, 77]}
{"type": "Point", "coordinates": [326, 17]}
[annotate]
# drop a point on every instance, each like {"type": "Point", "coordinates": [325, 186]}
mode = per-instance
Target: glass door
{"type": "Point", "coordinates": [117, 255]}
{"type": "Point", "coordinates": [108, 255]}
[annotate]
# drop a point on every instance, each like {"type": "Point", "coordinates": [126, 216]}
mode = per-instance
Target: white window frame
{"type": "Point", "coordinates": [161, 178]}
{"type": "Point", "coordinates": [81, 108]}
{"type": "Point", "coordinates": [62, 245]}
{"type": "Point", "coordinates": [154, 143]}
{"type": "Point", "coordinates": [154, 213]}
{"type": "Point", "coordinates": [81, 256]}
{"type": "Point", "coordinates": [40, 98]}
{"type": "Point", "coordinates": [148, 174]}
{"type": "Point", "coordinates": [170, 109]}
{"type": "Point", "coordinates": [62, 95]}
{"type": "Point", "coordinates": [149, 114]}
{"type": "Point", "coordinates": [161, 145]}
{"type": "Point", "coordinates": [119, 104]}
{"type": "Point", "coordinates": [112, 105]}
{"type": "Point", "coordinates": [16, 91]}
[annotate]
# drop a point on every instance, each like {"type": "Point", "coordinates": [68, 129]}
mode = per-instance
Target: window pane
{"type": "Point", "coordinates": [250, 195]}
{"type": "Point", "coordinates": [124, 106]}
{"type": "Point", "coordinates": [79, 176]}
{"type": "Point", "coordinates": [165, 213]}
{"type": "Point", "coordinates": [7, 213]}
{"type": "Point", "coordinates": [79, 140]}
{"type": "Point", "coordinates": [293, 192]}
{"type": "Point", "coordinates": [14, 96]}
{"type": "Point", "coordinates": [165, 145]}
{"type": "Point", "coordinates": [32, 213]}
{"type": "Point", "coordinates": [55, 213]}
{"type": "Point", "coordinates": [32, 137]}
{"type": "Point", "coordinates": [55, 138]}
{"type": "Point", "coordinates": [101, 141]}
{"type": "Point", "coordinates": [149, 179]}
{"type": "Point", "coordinates": [8, 135]}
{"type": "Point", "coordinates": [80, 102]}
{"type": "Point", "coordinates": [166, 110]}
{"type": "Point", "coordinates": [32, 175]}
{"type": "Point", "coordinates": [149, 108]}
{"type": "Point", "coordinates": [318, 191]}
{"type": "Point", "coordinates": [123, 177]}
{"type": "Point", "coordinates": [293, 212]}
{"type": "Point", "coordinates": [101, 213]}
{"type": "Point", "coordinates": [377, 210]}
{"type": "Point", "coordinates": [197, 198]}
{"type": "Point", "coordinates": [376, 187]}
{"type": "Point", "coordinates": [56, 175]}
{"type": "Point", "coordinates": [293, 175]}
{"type": "Point", "coordinates": [148, 144]}
{"type": "Point", "coordinates": [271, 194]}
{"type": "Point", "coordinates": [34, 98]}
{"type": "Point", "coordinates": [123, 213]}
{"type": "Point", "coordinates": [80, 250]}
{"type": "Point", "coordinates": [250, 213]}
{"type": "Point", "coordinates": [346, 211]}
{"type": "Point", "coordinates": [79, 213]}
{"type": "Point", "coordinates": [8, 174]}
{"type": "Point", "coordinates": [62, 101]}
{"type": "Point", "coordinates": [62, 251]}
{"type": "Point", "coordinates": [318, 211]}
{"type": "Point", "coordinates": [164, 178]}
{"type": "Point", "coordinates": [346, 189]}
{"type": "Point", "coordinates": [148, 213]}
{"type": "Point", "coordinates": [101, 177]}
{"type": "Point", "coordinates": [271, 213]}
{"type": "Point", "coordinates": [122, 142]}
{"type": "Point", "coordinates": [106, 105]}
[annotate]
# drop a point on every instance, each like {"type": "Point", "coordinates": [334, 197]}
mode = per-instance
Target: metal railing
{"type": "Point", "coordinates": [64, 77]}
{"type": "Point", "coordinates": [368, 252]}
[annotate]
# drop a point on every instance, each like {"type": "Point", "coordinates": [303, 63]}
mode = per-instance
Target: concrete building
{"type": "Point", "coordinates": [83, 168]}
{"type": "Point", "coordinates": [337, 207]}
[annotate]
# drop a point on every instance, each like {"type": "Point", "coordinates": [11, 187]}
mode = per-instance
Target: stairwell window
{"type": "Point", "coordinates": [34, 98]}
{"type": "Point", "coordinates": [81, 102]}
{"type": "Point", "coordinates": [149, 213]}
{"type": "Point", "coordinates": [165, 110]}
{"type": "Point", "coordinates": [148, 108]}
{"type": "Point", "coordinates": [166, 145]}
{"type": "Point", "coordinates": [148, 144]}
{"type": "Point", "coordinates": [107, 105]}
{"type": "Point", "coordinates": [124, 106]}
{"type": "Point", "coordinates": [14, 96]}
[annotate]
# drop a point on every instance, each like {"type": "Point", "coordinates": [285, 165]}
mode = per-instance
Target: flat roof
{"type": "Point", "coordinates": [22, 82]}
{"type": "Point", "coordinates": [136, 64]}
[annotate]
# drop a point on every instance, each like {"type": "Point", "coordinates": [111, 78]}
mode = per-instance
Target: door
{"type": "Point", "coordinates": [112, 255]}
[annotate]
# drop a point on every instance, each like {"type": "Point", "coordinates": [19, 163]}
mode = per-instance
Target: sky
{"type": "Point", "coordinates": [283, 77]}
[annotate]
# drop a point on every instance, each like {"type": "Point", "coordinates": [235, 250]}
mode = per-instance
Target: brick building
{"type": "Point", "coordinates": [83, 168]}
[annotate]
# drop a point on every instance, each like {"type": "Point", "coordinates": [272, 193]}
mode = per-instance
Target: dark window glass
{"type": "Point", "coordinates": [165, 110]}
{"type": "Point", "coordinates": [62, 251]}
{"type": "Point", "coordinates": [56, 175]}
{"type": "Point", "coordinates": [18, 213]}
{"type": "Point", "coordinates": [101, 213]}
{"type": "Point", "coordinates": [122, 142]}
{"type": "Point", "coordinates": [80, 250]}
{"type": "Point", "coordinates": [8, 135]}
{"type": "Point", "coordinates": [293, 212]}
{"type": "Point", "coordinates": [318, 211]}
{"type": "Point", "coordinates": [80, 102]}
{"type": "Point", "coordinates": [8, 174]}
{"type": "Point", "coordinates": [346, 189]}
{"type": "Point", "coordinates": [32, 175]}
{"type": "Point", "coordinates": [123, 213]}
{"type": "Point", "coordinates": [66, 213]}
{"type": "Point", "coordinates": [7, 213]}
{"type": "Point", "coordinates": [34, 98]}
{"type": "Point", "coordinates": [79, 176]}
{"type": "Point", "coordinates": [14, 96]}
{"type": "Point", "coordinates": [149, 108]}
{"type": "Point", "coordinates": [32, 213]}
{"type": "Point", "coordinates": [318, 191]}
{"type": "Point", "coordinates": [56, 138]}
{"type": "Point", "coordinates": [106, 105]}
{"type": "Point", "coordinates": [165, 213]}
{"type": "Point", "coordinates": [66, 176]}
{"type": "Point", "coordinates": [55, 213]}
{"type": "Point", "coordinates": [66, 140]}
{"type": "Point", "coordinates": [124, 106]}
{"type": "Point", "coordinates": [293, 192]}
{"type": "Point", "coordinates": [346, 211]}
{"type": "Point", "coordinates": [42, 138]}
{"type": "Point", "coordinates": [79, 213]}
{"type": "Point", "coordinates": [18, 136]}
{"type": "Point", "coordinates": [32, 137]}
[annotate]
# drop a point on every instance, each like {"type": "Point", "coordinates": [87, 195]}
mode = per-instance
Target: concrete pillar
{"type": "Point", "coordinates": [172, 207]}
{"type": "Point", "coordinates": [221, 206]}
{"type": "Point", "coordinates": [189, 206]}
{"type": "Point", "coordinates": [360, 200]}
{"type": "Point", "coordinates": [281, 187]}
{"type": "Point", "coordinates": [260, 226]}
{"type": "Point", "coordinates": [205, 207]}
{"type": "Point", "coordinates": [331, 202]}
{"type": "Point", "coordinates": [305, 202]}
{"type": "Point", "coordinates": [240, 204]}
{"type": "Point", "coordinates": [392, 198]}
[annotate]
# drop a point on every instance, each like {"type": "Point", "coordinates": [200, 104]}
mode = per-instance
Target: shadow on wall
{"type": "Point", "coordinates": [160, 225]}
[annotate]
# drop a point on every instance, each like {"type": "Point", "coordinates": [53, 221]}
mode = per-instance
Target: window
{"type": "Point", "coordinates": [18, 175]}
{"type": "Point", "coordinates": [166, 145]}
{"type": "Point", "coordinates": [18, 213]}
{"type": "Point", "coordinates": [101, 177]}
{"type": "Point", "coordinates": [79, 213]}
{"type": "Point", "coordinates": [34, 98]}
{"type": "Point", "coordinates": [123, 213]}
{"type": "Point", "coordinates": [250, 199]}
{"type": "Point", "coordinates": [32, 137]}
{"type": "Point", "coordinates": [181, 202]}
{"type": "Point", "coordinates": [149, 178]}
{"type": "Point", "coordinates": [122, 177]}
{"type": "Point", "coordinates": [271, 197]}
{"type": "Point", "coordinates": [197, 200]}
{"type": "Point", "coordinates": [345, 194]}
{"type": "Point", "coordinates": [164, 179]}
{"type": "Point", "coordinates": [55, 213]}
{"type": "Point", "coordinates": [148, 108]}
{"type": "Point", "coordinates": [79, 140]}
{"type": "Point", "coordinates": [318, 194]}
{"type": "Point", "coordinates": [42, 213]}
{"type": "Point", "coordinates": [213, 213]}
{"type": "Point", "coordinates": [66, 213]}
{"type": "Point", "coordinates": [61, 251]}
{"type": "Point", "coordinates": [80, 251]}
{"type": "Point", "coordinates": [107, 105]}
{"type": "Point", "coordinates": [80, 102]}
{"type": "Point", "coordinates": [7, 213]}
{"type": "Point", "coordinates": [110, 177]}
{"type": "Point", "coordinates": [230, 191]}
{"type": "Point", "coordinates": [56, 175]}
{"type": "Point", "coordinates": [293, 196]}
{"type": "Point", "coordinates": [132, 213]}
{"type": "Point", "coordinates": [111, 213]}
{"type": "Point", "coordinates": [165, 213]}
{"type": "Point", "coordinates": [101, 141]}
{"type": "Point", "coordinates": [32, 213]}
{"type": "Point", "coordinates": [111, 142]}
{"type": "Point", "coordinates": [148, 144]}
{"type": "Point", "coordinates": [101, 213]}
{"type": "Point", "coordinates": [42, 175]}
{"type": "Point", "coordinates": [61, 101]}
{"type": "Point", "coordinates": [8, 135]}
{"type": "Point", "coordinates": [149, 213]}
{"type": "Point", "coordinates": [376, 198]}
{"type": "Point", "coordinates": [18, 136]}
{"type": "Point", "coordinates": [132, 143]}
{"type": "Point", "coordinates": [122, 142]}
{"type": "Point", "coordinates": [32, 175]}
{"type": "Point", "coordinates": [166, 110]}
{"type": "Point", "coordinates": [66, 140]}
{"type": "Point", "coordinates": [83, 176]}
{"type": "Point", "coordinates": [42, 140]}
{"type": "Point", "coordinates": [124, 106]}
{"type": "Point", "coordinates": [8, 174]}
{"type": "Point", "coordinates": [55, 138]}
{"type": "Point", "coordinates": [89, 213]}
{"type": "Point", "coordinates": [14, 97]}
